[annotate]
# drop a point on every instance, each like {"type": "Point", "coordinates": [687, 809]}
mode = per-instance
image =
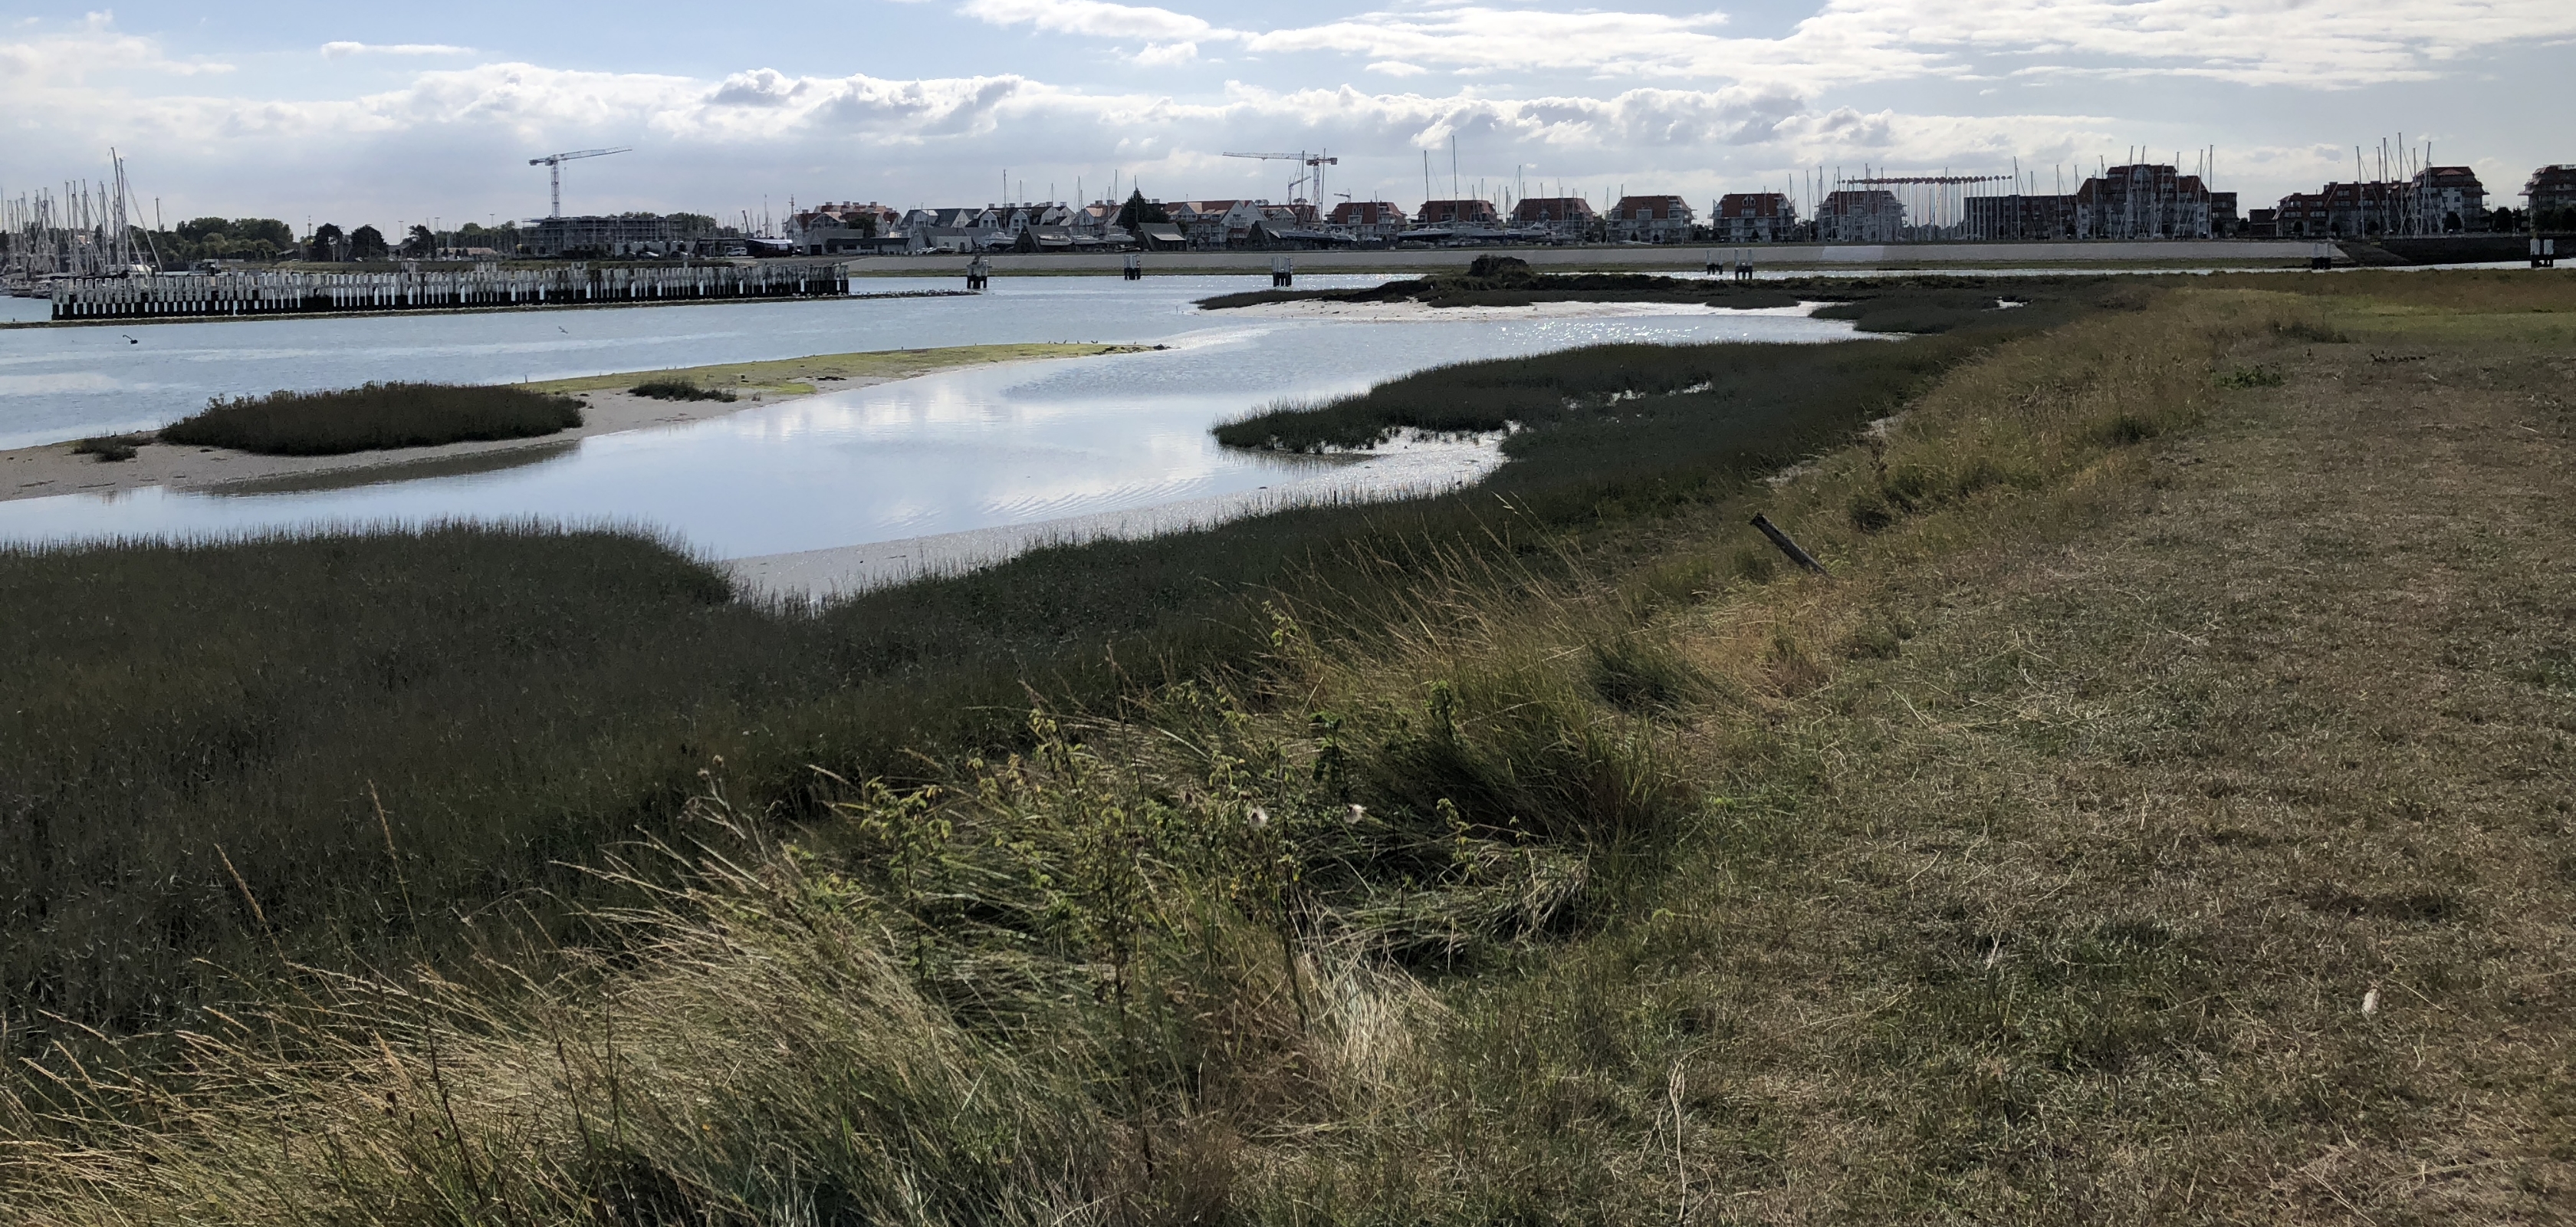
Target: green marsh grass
{"type": "Point", "coordinates": [517, 698]}
{"type": "Point", "coordinates": [1431, 863]}
{"type": "Point", "coordinates": [374, 417]}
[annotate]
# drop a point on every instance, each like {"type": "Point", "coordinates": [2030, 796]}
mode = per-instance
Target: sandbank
{"type": "Point", "coordinates": [53, 468]}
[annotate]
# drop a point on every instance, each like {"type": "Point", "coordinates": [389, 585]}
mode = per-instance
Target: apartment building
{"type": "Point", "coordinates": [1650, 219]}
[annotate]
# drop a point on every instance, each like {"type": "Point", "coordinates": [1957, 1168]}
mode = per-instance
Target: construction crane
{"type": "Point", "coordinates": [1313, 164]}
{"type": "Point", "coordinates": [553, 163]}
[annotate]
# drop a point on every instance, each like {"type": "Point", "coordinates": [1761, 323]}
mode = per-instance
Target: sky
{"type": "Point", "coordinates": [390, 115]}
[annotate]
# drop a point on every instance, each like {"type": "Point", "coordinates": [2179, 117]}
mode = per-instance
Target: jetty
{"type": "Point", "coordinates": [175, 295]}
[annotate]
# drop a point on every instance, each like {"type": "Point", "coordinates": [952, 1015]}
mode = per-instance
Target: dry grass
{"type": "Point", "coordinates": [2059, 844]}
{"type": "Point", "coordinates": [2161, 817]}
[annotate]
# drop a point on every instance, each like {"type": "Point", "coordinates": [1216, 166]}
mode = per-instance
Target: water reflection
{"type": "Point", "coordinates": [397, 471]}
{"type": "Point", "coordinates": [68, 383]}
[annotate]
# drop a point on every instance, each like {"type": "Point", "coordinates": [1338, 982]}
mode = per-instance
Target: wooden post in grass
{"type": "Point", "coordinates": [1788, 547]}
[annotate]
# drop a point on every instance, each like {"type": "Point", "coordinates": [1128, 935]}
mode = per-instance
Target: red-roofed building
{"type": "Point", "coordinates": [1754, 217]}
{"type": "Point", "coordinates": [1650, 219]}
{"type": "Point", "coordinates": [1563, 217]}
{"type": "Point", "coordinates": [2446, 200]}
{"type": "Point", "coordinates": [1367, 218]}
{"type": "Point", "coordinates": [1459, 213]}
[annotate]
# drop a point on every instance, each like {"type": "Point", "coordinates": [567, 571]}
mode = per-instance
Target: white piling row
{"type": "Point", "coordinates": [262, 293]}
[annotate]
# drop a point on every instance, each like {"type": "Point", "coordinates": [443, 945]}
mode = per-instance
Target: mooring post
{"type": "Point", "coordinates": [1788, 547]}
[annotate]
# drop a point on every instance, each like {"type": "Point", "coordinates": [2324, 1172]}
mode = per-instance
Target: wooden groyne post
{"type": "Point", "coordinates": [181, 295]}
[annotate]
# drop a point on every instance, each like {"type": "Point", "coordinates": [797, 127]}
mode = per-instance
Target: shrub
{"type": "Point", "coordinates": [679, 389]}
{"type": "Point", "coordinates": [373, 417]}
{"type": "Point", "coordinates": [109, 447]}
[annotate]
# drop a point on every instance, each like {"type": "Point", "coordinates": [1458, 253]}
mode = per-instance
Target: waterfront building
{"type": "Point", "coordinates": [1860, 215]}
{"type": "Point", "coordinates": [1754, 217]}
{"type": "Point", "coordinates": [1216, 223]}
{"type": "Point", "coordinates": [2016, 216]}
{"type": "Point", "coordinates": [1650, 219]}
{"type": "Point", "coordinates": [1454, 213]}
{"type": "Point", "coordinates": [2145, 200]}
{"type": "Point", "coordinates": [1367, 219]}
{"type": "Point", "coordinates": [2550, 194]}
{"type": "Point", "coordinates": [1563, 218]}
{"type": "Point", "coordinates": [627, 234]}
{"type": "Point", "coordinates": [954, 230]}
{"type": "Point", "coordinates": [2445, 200]}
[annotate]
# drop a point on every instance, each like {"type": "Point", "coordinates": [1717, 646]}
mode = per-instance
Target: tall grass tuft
{"type": "Point", "coordinates": [374, 417]}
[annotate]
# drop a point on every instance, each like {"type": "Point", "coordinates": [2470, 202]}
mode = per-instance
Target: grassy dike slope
{"type": "Point", "coordinates": [2037, 868]}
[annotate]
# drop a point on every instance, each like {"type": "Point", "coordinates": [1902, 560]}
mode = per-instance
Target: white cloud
{"type": "Point", "coordinates": [2317, 43]}
{"type": "Point", "coordinates": [1678, 102]}
{"type": "Point", "coordinates": [1164, 55]}
{"type": "Point", "coordinates": [95, 47]}
{"type": "Point", "coordinates": [1094, 19]}
{"type": "Point", "coordinates": [343, 50]}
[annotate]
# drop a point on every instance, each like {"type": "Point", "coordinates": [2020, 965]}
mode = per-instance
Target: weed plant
{"type": "Point", "coordinates": [374, 417]}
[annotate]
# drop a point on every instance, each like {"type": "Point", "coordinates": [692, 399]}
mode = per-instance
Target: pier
{"type": "Point", "coordinates": [177, 295]}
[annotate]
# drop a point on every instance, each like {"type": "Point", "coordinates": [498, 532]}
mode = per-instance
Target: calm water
{"type": "Point", "coordinates": [67, 383]}
{"type": "Point", "coordinates": [948, 453]}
